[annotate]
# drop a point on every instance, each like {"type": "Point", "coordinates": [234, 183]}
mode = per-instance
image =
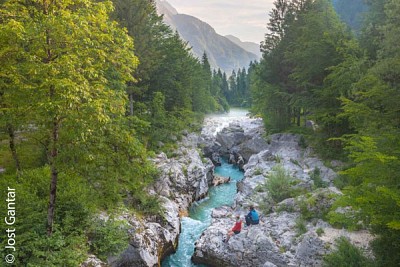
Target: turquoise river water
{"type": "Point", "coordinates": [200, 216]}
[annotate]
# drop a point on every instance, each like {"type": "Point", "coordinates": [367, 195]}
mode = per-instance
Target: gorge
{"type": "Point", "coordinates": [292, 231]}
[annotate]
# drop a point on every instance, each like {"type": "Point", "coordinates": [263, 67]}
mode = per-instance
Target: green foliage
{"type": "Point", "coordinates": [341, 181]}
{"type": "Point", "coordinates": [237, 89]}
{"type": "Point", "coordinates": [385, 247]}
{"type": "Point", "coordinates": [279, 184]}
{"type": "Point", "coordinates": [290, 83]}
{"type": "Point", "coordinates": [285, 207]}
{"type": "Point", "coordinates": [65, 71]}
{"type": "Point", "coordinates": [170, 78]}
{"type": "Point", "coordinates": [107, 237]}
{"type": "Point", "coordinates": [315, 205]}
{"type": "Point", "coordinates": [351, 12]}
{"type": "Point", "coordinates": [319, 231]}
{"type": "Point", "coordinates": [303, 142]}
{"type": "Point", "coordinates": [68, 243]}
{"type": "Point", "coordinates": [277, 158]}
{"type": "Point", "coordinates": [346, 254]}
{"type": "Point", "coordinates": [305, 208]}
{"type": "Point", "coordinates": [258, 171]}
{"type": "Point", "coordinates": [343, 216]}
{"type": "Point", "coordinates": [314, 68]}
{"type": "Point", "coordinates": [146, 204]}
{"type": "Point", "coordinates": [317, 179]}
{"type": "Point", "coordinates": [301, 226]}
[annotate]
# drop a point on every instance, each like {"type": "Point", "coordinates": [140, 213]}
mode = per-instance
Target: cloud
{"type": "Point", "coordinates": [244, 19]}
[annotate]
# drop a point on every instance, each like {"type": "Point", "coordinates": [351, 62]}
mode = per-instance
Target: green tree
{"type": "Point", "coordinates": [374, 148]}
{"type": "Point", "coordinates": [304, 43]}
{"type": "Point", "coordinates": [143, 23]}
{"type": "Point", "coordinates": [351, 12]}
{"type": "Point", "coordinates": [65, 52]}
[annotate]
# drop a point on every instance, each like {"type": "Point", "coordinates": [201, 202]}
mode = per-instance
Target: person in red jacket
{"type": "Point", "coordinates": [235, 230]}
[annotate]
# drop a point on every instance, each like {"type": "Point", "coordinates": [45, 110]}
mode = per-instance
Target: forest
{"type": "Point", "coordinates": [315, 67]}
{"type": "Point", "coordinates": [91, 90]}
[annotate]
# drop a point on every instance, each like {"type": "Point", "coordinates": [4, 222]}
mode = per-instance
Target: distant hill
{"type": "Point", "coordinates": [248, 46]}
{"type": "Point", "coordinates": [222, 52]}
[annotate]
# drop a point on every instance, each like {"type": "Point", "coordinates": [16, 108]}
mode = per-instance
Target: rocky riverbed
{"type": "Point", "coordinates": [184, 178]}
{"type": "Point", "coordinates": [291, 232]}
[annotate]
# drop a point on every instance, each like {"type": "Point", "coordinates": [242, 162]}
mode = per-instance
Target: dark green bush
{"type": "Point", "coordinates": [108, 237]}
{"type": "Point", "coordinates": [301, 226]}
{"type": "Point", "coordinates": [386, 248]}
{"type": "Point", "coordinates": [280, 184]}
{"type": "Point", "coordinates": [317, 179]}
{"type": "Point", "coordinates": [346, 254]}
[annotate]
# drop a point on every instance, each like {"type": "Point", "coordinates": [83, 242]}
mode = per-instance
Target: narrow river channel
{"type": "Point", "coordinates": [200, 212]}
{"type": "Point", "coordinates": [200, 216]}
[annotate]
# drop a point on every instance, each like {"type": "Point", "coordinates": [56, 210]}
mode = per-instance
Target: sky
{"type": "Point", "coordinates": [245, 19]}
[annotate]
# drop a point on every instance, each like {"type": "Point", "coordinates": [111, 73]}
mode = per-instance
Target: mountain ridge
{"type": "Point", "coordinates": [248, 46]}
{"type": "Point", "coordinates": [221, 51]}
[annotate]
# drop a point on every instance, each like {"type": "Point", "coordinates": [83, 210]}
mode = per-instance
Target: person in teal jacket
{"type": "Point", "coordinates": [252, 217]}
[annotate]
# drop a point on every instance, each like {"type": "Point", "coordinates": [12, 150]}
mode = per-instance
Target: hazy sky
{"type": "Point", "coordinates": [246, 19]}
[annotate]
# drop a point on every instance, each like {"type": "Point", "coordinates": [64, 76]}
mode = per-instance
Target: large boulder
{"type": "Point", "coordinates": [252, 146]}
{"type": "Point", "coordinates": [230, 137]}
{"type": "Point", "coordinates": [218, 180]}
{"type": "Point", "coordinates": [238, 141]}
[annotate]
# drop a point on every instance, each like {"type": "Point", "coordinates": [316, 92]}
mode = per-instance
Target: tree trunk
{"type": "Point", "coordinates": [53, 153]}
{"type": "Point", "coordinates": [131, 103]}
{"type": "Point", "coordinates": [54, 177]}
{"type": "Point", "coordinates": [13, 149]}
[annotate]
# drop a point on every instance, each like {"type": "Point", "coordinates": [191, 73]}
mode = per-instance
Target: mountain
{"type": "Point", "coordinates": [222, 52]}
{"type": "Point", "coordinates": [248, 46]}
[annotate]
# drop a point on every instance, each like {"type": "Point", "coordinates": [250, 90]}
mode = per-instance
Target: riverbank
{"type": "Point", "coordinates": [293, 229]}
{"type": "Point", "coordinates": [184, 178]}
{"type": "Point", "coordinates": [199, 218]}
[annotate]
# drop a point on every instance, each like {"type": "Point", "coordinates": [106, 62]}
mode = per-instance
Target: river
{"type": "Point", "coordinates": [200, 212]}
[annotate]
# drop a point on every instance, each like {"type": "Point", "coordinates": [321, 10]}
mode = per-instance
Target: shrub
{"type": "Point", "coordinates": [346, 254]}
{"type": "Point", "coordinates": [319, 231]}
{"type": "Point", "coordinates": [341, 181]}
{"type": "Point", "coordinates": [146, 204]}
{"type": "Point", "coordinates": [386, 248]}
{"type": "Point", "coordinates": [257, 171]}
{"type": "Point", "coordinates": [305, 210]}
{"type": "Point", "coordinates": [317, 179]}
{"type": "Point", "coordinates": [67, 245]}
{"type": "Point", "coordinates": [108, 238]}
{"type": "Point", "coordinates": [279, 184]}
{"type": "Point", "coordinates": [303, 142]}
{"type": "Point", "coordinates": [301, 226]}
